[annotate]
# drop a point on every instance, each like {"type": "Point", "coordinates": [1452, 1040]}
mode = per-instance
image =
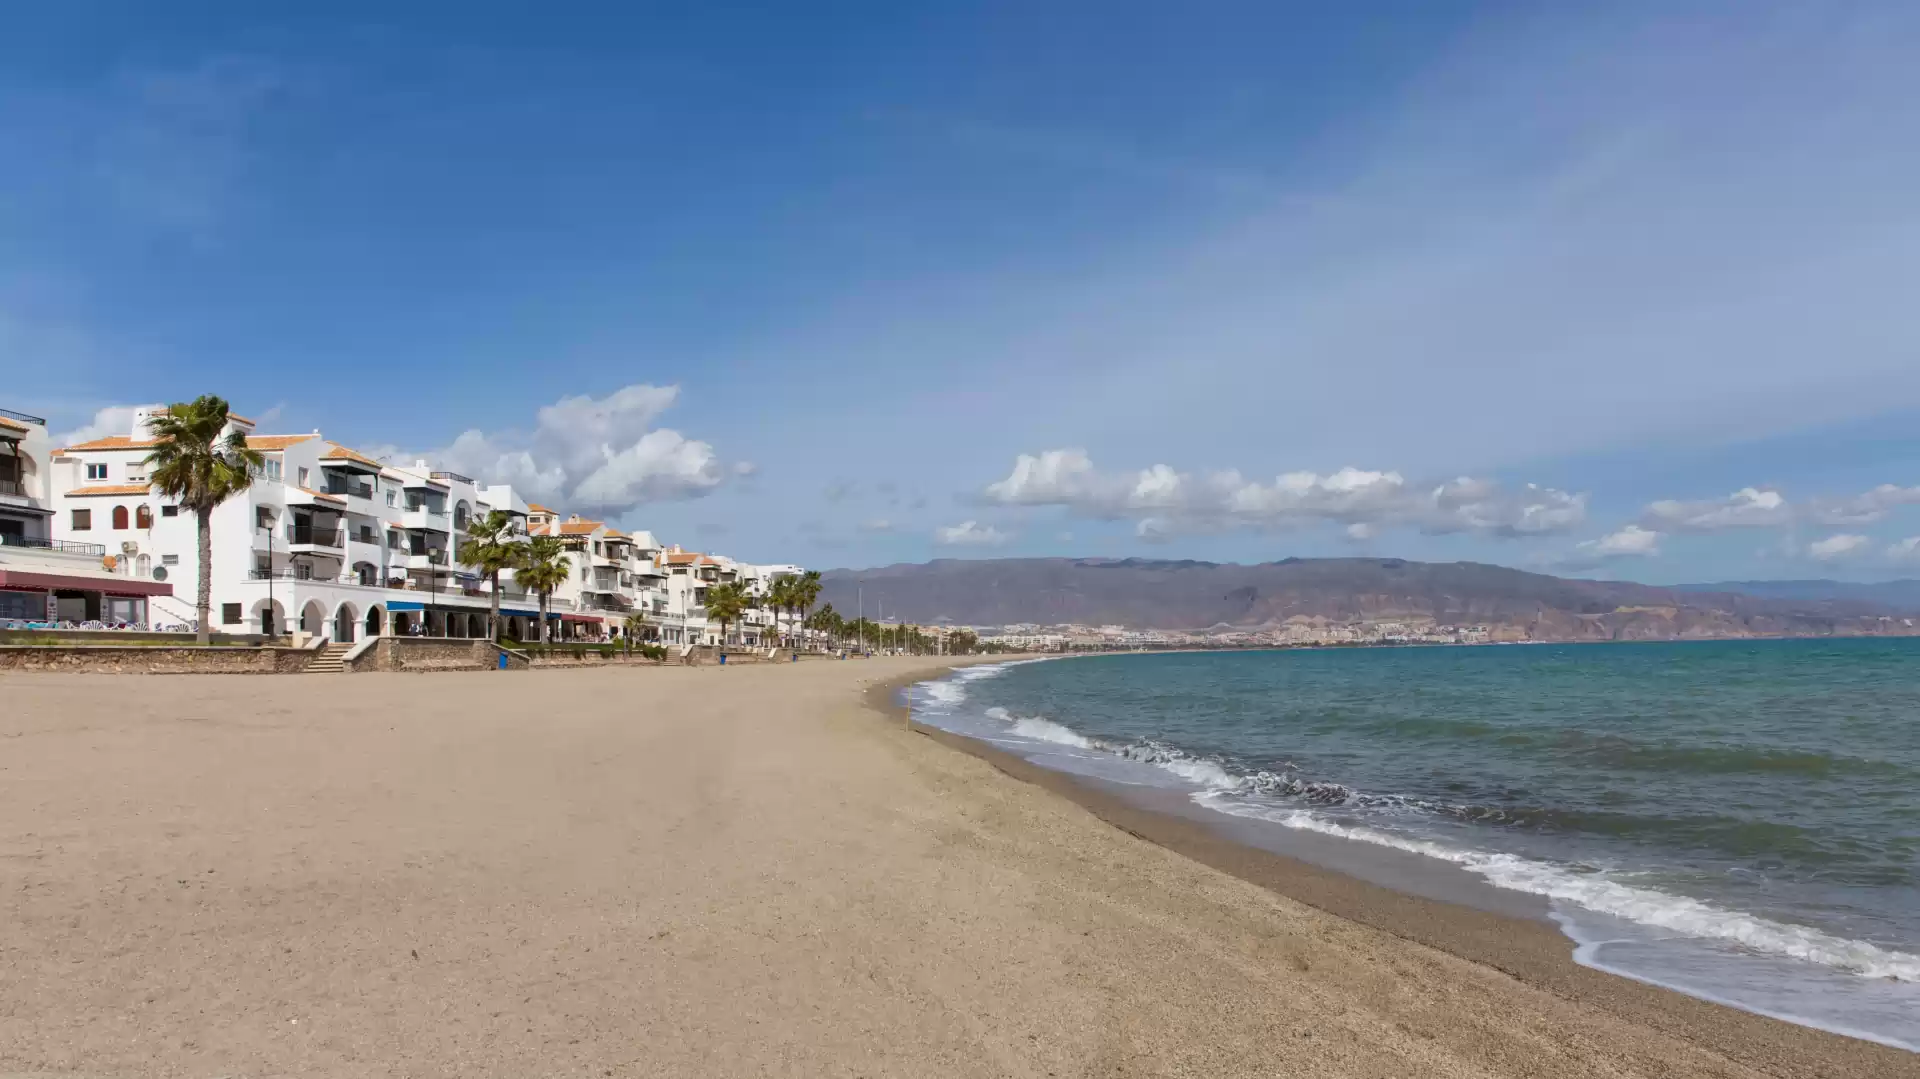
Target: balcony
{"type": "Point", "coordinates": [94, 550]}
{"type": "Point", "coordinates": [346, 488]}
{"type": "Point", "coordinates": [23, 417]}
{"type": "Point", "coordinates": [424, 517]}
{"type": "Point", "coordinates": [14, 488]}
{"type": "Point", "coordinates": [428, 558]}
{"type": "Point", "coordinates": [316, 536]}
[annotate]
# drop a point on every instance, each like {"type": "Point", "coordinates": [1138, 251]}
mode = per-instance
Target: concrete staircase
{"type": "Point", "coordinates": [330, 659]}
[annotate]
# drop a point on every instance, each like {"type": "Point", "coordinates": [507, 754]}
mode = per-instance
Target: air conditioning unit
{"type": "Point", "coordinates": [129, 547]}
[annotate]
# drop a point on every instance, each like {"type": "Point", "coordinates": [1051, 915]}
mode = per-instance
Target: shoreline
{"type": "Point", "coordinates": [1532, 950]}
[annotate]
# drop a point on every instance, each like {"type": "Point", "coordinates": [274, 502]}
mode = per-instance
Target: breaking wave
{"type": "Point", "coordinates": [1254, 795]}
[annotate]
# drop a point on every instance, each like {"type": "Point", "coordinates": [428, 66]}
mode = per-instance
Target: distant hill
{"type": "Point", "coordinates": [1902, 595]}
{"type": "Point", "coordinates": [1189, 595]}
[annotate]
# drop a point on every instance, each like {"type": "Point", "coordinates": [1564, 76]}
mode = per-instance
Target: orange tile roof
{"type": "Point", "coordinates": [108, 489]}
{"type": "Point", "coordinates": [684, 558]}
{"type": "Point", "coordinates": [535, 507]}
{"type": "Point", "coordinates": [322, 495]}
{"type": "Point", "coordinates": [276, 442]}
{"type": "Point", "coordinates": [341, 453]}
{"type": "Point", "coordinates": [5, 422]}
{"type": "Point", "coordinates": [578, 528]}
{"type": "Point", "coordinates": [616, 534]}
{"type": "Point", "coordinates": [122, 442]}
{"type": "Point", "coordinates": [112, 442]}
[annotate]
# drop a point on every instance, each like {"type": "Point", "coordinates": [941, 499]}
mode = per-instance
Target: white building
{"type": "Point", "coordinates": [329, 541]}
{"type": "Point", "coordinates": [44, 579]}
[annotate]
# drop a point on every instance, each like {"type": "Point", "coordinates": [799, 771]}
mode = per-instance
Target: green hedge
{"type": "Point", "coordinates": [612, 650]}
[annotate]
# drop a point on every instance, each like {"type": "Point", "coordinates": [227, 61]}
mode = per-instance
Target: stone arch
{"type": "Point", "coordinates": [476, 626]}
{"type": "Point", "coordinates": [269, 620]}
{"type": "Point", "coordinates": [346, 619]}
{"type": "Point", "coordinates": [376, 623]}
{"type": "Point", "coordinates": [313, 618]}
{"type": "Point", "coordinates": [366, 573]}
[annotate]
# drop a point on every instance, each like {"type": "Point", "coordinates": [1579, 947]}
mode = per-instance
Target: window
{"type": "Point", "coordinates": [143, 517]}
{"type": "Point", "coordinates": [169, 559]}
{"type": "Point", "coordinates": [272, 470]}
{"type": "Point", "coordinates": [96, 472]}
{"type": "Point", "coordinates": [230, 614]}
{"type": "Point", "coordinates": [119, 517]}
{"type": "Point", "coordinates": [169, 511]}
{"type": "Point", "coordinates": [262, 517]}
{"type": "Point", "coordinates": [82, 520]}
{"type": "Point", "coordinates": [303, 478]}
{"type": "Point", "coordinates": [392, 497]}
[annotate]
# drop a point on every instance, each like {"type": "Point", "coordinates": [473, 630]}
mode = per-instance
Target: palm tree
{"type": "Point", "coordinates": [805, 593]}
{"type": "Point", "coordinates": [779, 598]}
{"type": "Point", "coordinates": [491, 546]}
{"type": "Point", "coordinates": [633, 626]}
{"type": "Point", "coordinates": [200, 464]}
{"type": "Point", "coordinates": [542, 567]}
{"type": "Point", "coordinates": [727, 602]}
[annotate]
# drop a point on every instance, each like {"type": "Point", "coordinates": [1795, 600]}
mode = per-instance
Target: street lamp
{"type": "Point", "coordinates": [267, 619]}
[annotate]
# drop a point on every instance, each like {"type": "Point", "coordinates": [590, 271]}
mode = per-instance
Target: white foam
{"type": "Point", "coordinates": [1046, 730]}
{"type": "Point", "coordinates": [1596, 892]}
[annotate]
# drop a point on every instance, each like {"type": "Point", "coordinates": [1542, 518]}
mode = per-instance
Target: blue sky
{"type": "Point", "coordinates": [1622, 291]}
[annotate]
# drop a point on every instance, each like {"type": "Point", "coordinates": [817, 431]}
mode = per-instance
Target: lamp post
{"type": "Point", "coordinates": [268, 619]}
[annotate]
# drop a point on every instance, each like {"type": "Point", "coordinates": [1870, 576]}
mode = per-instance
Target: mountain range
{"type": "Point", "coordinates": [1514, 604]}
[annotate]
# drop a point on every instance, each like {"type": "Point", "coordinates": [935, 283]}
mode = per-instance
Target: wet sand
{"type": "Point", "coordinates": [754, 870]}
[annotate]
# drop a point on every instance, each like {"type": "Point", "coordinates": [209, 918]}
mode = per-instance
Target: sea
{"type": "Point", "coordinates": [1736, 820]}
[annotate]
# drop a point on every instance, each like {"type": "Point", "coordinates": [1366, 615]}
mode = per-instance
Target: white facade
{"type": "Point", "coordinates": [331, 542]}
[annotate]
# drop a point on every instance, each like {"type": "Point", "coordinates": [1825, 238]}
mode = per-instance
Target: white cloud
{"type": "Point", "coordinates": [1906, 550]}
{"type": "Point", "coordinates": [594, 455]}
{"type": "Point", "coordinates": [1833, 548]}
{"type": "Point", "coordinates": [877, 524]}
{"type": "Point", "coordinates": [108, 421]}
{"type": "Point", "coordinates": [1749, 507]}
{"type": "Point", "coordinates": [1164, 501]}
{"type": "Point", "coordinates": [1864, 508]}
{"type": "Point", "coordinates": [970, 534]}
{"type": "Point", "coordinates": [1052, 477]}
{"type": "Point", "coordinates": [1630, 542]}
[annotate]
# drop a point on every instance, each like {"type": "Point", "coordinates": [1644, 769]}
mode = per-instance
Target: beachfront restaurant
{"type": "Point", "coordinates": [65, 582]}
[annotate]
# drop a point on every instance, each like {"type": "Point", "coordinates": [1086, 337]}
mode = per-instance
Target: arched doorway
{"type": "Point", "coordinates": [271, 619]}
{"type": "Point", "coordinates": [476, 625]}
{"type": "Point", "coordinates": [313, 618]}
{"type": "Point", "coordinates": [375, 618]}
{"type": "Point", "coordinates": [345, 619]}
{"type": "Point", "coordinates": [402, 623]}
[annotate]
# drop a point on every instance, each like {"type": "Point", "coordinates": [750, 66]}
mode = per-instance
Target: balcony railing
{"type": "Point", "coordinates": [14, 488]}
{"type": "Point", "coordinates": [23, 417]}
{"type": "Point", "coordinates": [454, 477]}
{"type": "Point", "coordinates": [317, 537]}
{"type": "Point", "coordinates": [351, 490]}
{"type": "Point", "coordinates": [65, 546]}
{"type": "Point", "coordinates": [429, 511]}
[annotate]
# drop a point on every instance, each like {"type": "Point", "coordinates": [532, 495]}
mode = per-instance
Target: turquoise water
{"type": "Point", "coordinates": [1737, 819]}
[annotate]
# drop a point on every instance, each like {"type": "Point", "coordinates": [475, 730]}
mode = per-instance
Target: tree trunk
{"type": "Point", "coordinates": [493, 620]}
{"type": "Point", "coordinates": [203, 603]}
{"type": "Point", "coordinates": [543, 619]}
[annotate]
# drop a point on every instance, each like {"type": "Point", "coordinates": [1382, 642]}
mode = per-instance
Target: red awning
{"type": "Point", "coordinates": [109, 586]}
{"type": "Point", "coordinates": [581, 618]}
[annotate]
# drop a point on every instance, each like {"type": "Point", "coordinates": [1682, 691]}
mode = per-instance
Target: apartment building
{"type": "Point", "coordinates": [327, 541]}
{"type": "Point", "coordinates": [331, 542]}
{"type": "Point", "coordinates": [44, 578]}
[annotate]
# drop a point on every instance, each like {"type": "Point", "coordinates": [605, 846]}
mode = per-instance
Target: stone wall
{"type": "Point", "coordinates": [432, 654]}
{"type": "Point", "coordinates": [155, 659]}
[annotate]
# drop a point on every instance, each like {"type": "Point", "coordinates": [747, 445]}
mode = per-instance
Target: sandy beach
{"type": "Point", "coordinates": [753, 870]}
